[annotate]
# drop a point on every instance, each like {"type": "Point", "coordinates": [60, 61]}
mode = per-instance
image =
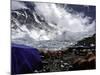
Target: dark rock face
{"type": "Point", "coordinates": [24, 17]}
{"type": "Point", "coordinates": [28, 18]}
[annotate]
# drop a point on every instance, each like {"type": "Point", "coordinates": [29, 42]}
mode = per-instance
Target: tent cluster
{"type": "Point", "coordinates": [24, 59]}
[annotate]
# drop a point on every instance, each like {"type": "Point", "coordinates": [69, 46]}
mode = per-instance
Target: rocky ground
{"type": "Point", "coordinates": [68, 60]}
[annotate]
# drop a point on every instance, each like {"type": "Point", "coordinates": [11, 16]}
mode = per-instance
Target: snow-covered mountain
{"type": "Point", "coordinates": [49, 24]}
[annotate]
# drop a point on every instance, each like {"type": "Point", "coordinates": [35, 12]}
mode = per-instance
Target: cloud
{"type": "Point", "coordinates": [17, 5]}
{"type": "Point", "coordinates": [69, 26]}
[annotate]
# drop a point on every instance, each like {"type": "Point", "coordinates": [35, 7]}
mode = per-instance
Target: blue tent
{"type": "Point", "coordinates": [24, 59]}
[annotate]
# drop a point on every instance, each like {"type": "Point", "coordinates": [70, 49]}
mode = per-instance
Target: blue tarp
{"type": "Point", "coordinates": [24, 59]}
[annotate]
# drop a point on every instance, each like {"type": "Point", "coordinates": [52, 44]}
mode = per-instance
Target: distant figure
{"type": "Point", "coordinates": [24, 59]}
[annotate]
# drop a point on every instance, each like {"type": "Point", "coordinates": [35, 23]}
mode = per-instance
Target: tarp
{"type": "Point", "coordinates": [24, 59]}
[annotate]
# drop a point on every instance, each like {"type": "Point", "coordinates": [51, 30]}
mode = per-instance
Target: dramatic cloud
{"type": "Point", "coordinates": [69, 26]}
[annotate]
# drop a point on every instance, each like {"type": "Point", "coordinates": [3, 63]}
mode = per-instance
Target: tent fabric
{"type": "Point", "coordinates": [24, 59]}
